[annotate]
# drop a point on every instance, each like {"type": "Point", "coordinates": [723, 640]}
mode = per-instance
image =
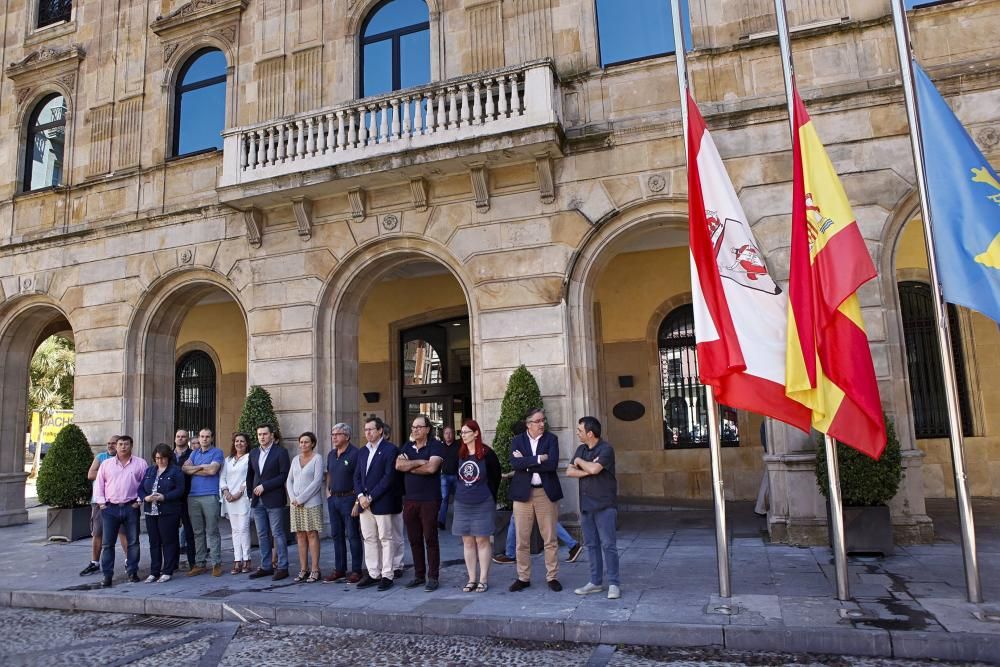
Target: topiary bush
{"type": "Point", "coordinates": [258, 409]}
{"type": "Point", "coordinates": [864, 482]}
{"type": "Point", "coordinates": [522, 394]}
{"type": "Point", "coordinates": [62, 479]}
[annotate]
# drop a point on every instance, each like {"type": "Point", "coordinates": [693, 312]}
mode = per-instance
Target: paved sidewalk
{"type": "Point", "coordinates": [911, 605]}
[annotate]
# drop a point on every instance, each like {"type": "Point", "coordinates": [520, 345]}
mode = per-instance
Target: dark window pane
{"type": "Point", "coordinates": [54, 11]}
{"type": "Point", "coordinates": [209, 65]}
{"type": "Point", "coordinates": [194, 398]}
{"type": "Point", "coordinates": [415, 59]}
{"type": "Point", "coordinates": [378, 68]}
{"type": "Point", "coordinates": [44, 146]}
{"type": "Point", "coordinates": [396, 14]}
{"type": "Point", "coordinates": [634, 29]}
{"type": "Point", "coordinates": [201, 119]}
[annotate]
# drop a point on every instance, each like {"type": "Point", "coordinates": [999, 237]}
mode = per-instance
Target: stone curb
{"type": "Point", "coordinates": [960, 647]}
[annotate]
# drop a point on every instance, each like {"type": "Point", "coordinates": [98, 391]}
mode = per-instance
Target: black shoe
{"type": "Point", "coordinates": [133, 578]}
{"type": "Point", "coordinates": [503, 559]}
{"type": "Point", "coordinates": [90, 569]}
{"type": "Point", "coordinates": [432, 585]}
{"type": "Point", "coordinates": [555, 586]}
{"type": "Point", "coordinates": [417, 581]}
{"type": "Point", "coordinates": [367, 581]}
{"type": "Point", "coordinates": [106, 582]}
{"type": "Point", "coordinates": [396, 574]}
{"type": "Point", "coordinates": [279, 574]}
{"type": "Point", "coordinates": [385, 584]}
{"type": "Point", "coordinates": [442, 525]}
{"type": "Point", "coordinates": [260, 573]}
{"type": "Point", "coordinates": [519, 585]}
{"type": "Point", "coordinates": [574, 553]}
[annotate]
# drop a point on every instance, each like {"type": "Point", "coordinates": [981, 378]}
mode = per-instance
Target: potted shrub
{"type": "Point", "coordinates": [64, 487]}
{"type": "Point", "coordinates": [866, 487]}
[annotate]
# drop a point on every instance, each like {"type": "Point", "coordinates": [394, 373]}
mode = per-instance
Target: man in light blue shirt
{"type": "Point", "coordinates": [204, 466]}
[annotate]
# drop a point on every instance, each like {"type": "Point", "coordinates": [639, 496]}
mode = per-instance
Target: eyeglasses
{"type": "Point", "coordinates": [537, 421]}
{"type": "Point", "coordinates": [371, 430]}
{"type": "Point", "coordinates": [465, 432]}
{"type": "Point", "coordinates": [415, 427]}
{"type": "Point", "coordinates": [339, 433]}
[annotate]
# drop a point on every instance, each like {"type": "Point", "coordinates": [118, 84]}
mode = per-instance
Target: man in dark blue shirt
{"type": "Point", "coordinates": [420, 460]}
{"type": "Point", "coordinates": [345, 529]}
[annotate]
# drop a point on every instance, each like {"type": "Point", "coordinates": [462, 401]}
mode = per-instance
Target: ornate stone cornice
{"type": "Point", "coordinates": [191, 15]}
{"type": "Point", "coordinates": [47, 59]}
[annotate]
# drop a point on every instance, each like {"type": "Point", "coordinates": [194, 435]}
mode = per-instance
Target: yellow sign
{"type": "Point", "coordinates": [45, 431]}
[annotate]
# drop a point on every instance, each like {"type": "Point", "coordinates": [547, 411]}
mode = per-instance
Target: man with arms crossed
{"type": "Point", "coordinates": [204, 467]}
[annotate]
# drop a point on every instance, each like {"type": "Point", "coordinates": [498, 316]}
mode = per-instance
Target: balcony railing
{"type": "Point", "coordinates": [470, 107]}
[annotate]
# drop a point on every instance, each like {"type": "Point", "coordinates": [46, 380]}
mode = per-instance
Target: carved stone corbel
{"type": "Point", "coordinates": [480, 186]}
{"type": "Point", "coordinates": [418, 190]}
{"type": "Point", "coordinates": [357, 198]}
{"type": "Point", "coordinates": [303, 209]}
{"type": "Point", "coordinates": [253, 217]}
{"type": "Point", "coordinates": [546, 184]}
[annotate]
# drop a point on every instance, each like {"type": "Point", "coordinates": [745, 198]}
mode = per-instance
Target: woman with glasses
{"type": "Point", "coordinates": [475, 503]}
{"type": "Point", "coordinates": [236, 502]}
{"type": "Point", "coordinates": [162, 490]}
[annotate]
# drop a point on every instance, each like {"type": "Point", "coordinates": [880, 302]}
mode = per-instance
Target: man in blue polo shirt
{"type": "Point", "coordinates": [345, 529]}
{"type": "Point", "coordinates": [420, 462]}
{"type": "Point", "coordinates": [204, 466]}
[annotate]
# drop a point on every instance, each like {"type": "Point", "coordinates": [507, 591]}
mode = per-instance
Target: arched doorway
{"type": "Point", "coordinates": [23, 327]}
{"type": "Point", "coordinates": [187, 366]}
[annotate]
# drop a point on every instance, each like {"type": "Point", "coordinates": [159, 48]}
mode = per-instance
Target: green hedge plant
{"type": "Point", "coordinates": [62, 479]}
{"type": "Point", "coordinates": [522, 395]}
{"type": "Point", "coordinates": [258, 409]}
{"type": "Point", "coordinates": [864, 482]}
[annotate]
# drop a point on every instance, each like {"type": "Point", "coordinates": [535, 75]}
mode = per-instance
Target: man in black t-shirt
{"type": "Point", "coordinates": [449, 473]}
{"type": "Point", "coordinates": [420, 462]}
{"type": "Point", "coordinates": [594, 465]}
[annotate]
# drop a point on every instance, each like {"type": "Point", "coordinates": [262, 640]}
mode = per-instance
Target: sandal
{"type": "Point", "coordinates": [314, 576]}
{"type": "Point", "coordinates": [481, 587]}
{"type": "Point", "coordinates": [237, 568]}
{"type": "Point", "coordinates": [246, 567]}
{"type": "Point", "coordinates": [470, 587]}
{"type": "Point", "coordinates": [300, 577]}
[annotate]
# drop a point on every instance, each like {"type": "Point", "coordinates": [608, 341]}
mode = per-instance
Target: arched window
{"type": "Point", "coordinates": [44, 144]}
{"type": "Point", "coordinates": [923, 362]}
{"type": "Point", "coordinates": [194, 391]}
{"type": "Point", "coordinates": [629, 30]}
{"type": "Point", "coordinates": [685, 419]}
{"type": "Point", "coordinates": [395, 47]}
{"type": "Point", "coordinates": [200, 103]}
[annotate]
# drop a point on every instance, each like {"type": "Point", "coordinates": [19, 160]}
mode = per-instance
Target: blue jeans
{"type": "Point", "coordinates": [448, 483]}
{"type": "Point", "coordinates": [561, 533]}
{"type": "Point", "coordinates": [270, 521]}
{"type": "Point", "coordinates": [345, 531]}
{"type": "Point", "coordinates": [602, 545]}
{"type": "Point", "coordinates": [113, 518]}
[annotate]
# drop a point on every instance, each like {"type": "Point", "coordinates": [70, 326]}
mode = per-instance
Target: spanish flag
{"type": "Point", "coordinates": [828, 364]}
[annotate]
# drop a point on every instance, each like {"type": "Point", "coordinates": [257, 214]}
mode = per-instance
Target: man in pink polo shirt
{"type": "Point", "coordinates": [116, 491]}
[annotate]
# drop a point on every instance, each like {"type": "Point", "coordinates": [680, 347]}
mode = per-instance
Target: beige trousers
{"type": "Point", "coordinates": [539, 508]}
{"type": "Point", "coordinates": [376, 531]}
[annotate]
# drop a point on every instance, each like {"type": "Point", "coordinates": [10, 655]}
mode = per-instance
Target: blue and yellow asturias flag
{"type": "Point", "coordinates": [964, 194]}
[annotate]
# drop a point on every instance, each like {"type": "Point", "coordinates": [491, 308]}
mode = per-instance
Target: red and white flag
{"type": "Point", "coordinates": [740, 313]}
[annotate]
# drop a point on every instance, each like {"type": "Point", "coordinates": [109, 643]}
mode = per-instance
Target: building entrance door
{"type": "Point", "coordinates": [436, 375]}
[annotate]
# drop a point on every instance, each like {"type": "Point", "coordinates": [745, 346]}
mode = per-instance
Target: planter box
{"type": "Point", "coordinates": [68, 524]}
{"type": "Point", "coordinates": [866, 530]}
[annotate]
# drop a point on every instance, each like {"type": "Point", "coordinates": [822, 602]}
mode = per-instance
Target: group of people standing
{"type": "Point", "coordinates": [374, 494]}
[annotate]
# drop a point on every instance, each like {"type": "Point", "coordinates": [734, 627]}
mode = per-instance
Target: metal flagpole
{"type": "Point", "coordinates": [715, 447]}
{"type": "Point", "coordinates": [944, 334]}
{"type": "Point", "coordinates": [836, 504]}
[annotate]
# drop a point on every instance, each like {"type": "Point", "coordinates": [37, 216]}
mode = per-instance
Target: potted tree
{"type": "Point", "coordinates": [64, 487]}
{"type": "Point", "coordinates": [866, 487]}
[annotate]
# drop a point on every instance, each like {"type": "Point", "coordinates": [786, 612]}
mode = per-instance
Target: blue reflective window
{"type": "Point", "coordinates": [910, 4]}
{"type": "Point", "coordinates": [200, 103]}
{"type": "Point", "coordinates": [395, 47]}
{"type": "Point", "coordinates": [44, 145]}
{"type": "Point", "coordinates": [635, 29]}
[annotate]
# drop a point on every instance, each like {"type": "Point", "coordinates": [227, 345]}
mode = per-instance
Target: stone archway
{"type": "Point", "coordinates": [25, 325]}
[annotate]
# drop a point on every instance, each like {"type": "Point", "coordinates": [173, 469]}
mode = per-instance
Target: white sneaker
{"type": "Point", "coordinates": [150, 579]}
{"type": "Point", "coordinates": [588, 589]}
{"type": "Point", "coordinates": [164, 578]}
{"type": "Point", "coordinates": [614, 592]}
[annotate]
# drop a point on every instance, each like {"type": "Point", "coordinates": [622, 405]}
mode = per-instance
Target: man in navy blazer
{"type": "Point", "coordinates": [536, 492]}
{"type": "Point", "coordinates": [374, 480]}
{"type": "Point", "coordinates": [266, 476]}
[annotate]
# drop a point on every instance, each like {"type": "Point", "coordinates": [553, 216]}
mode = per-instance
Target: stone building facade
{"type": "Point", "coordinates": [405, 251]}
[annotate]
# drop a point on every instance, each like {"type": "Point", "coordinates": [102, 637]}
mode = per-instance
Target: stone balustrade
{"type": "Point", "coordinates": [489, 103]}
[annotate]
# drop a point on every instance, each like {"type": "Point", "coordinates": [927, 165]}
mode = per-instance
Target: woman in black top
{"type": "Point", "coordinates": [475, 503]}
{"type": "Point", "coordinates": [162, 490]}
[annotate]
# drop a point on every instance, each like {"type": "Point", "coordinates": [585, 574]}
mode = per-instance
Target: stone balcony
{"type": "Point", "coordinates": [470, 123]}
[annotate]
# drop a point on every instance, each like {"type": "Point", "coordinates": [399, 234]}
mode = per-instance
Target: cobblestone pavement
{"type": "Point", "coordinates": [33, 637]}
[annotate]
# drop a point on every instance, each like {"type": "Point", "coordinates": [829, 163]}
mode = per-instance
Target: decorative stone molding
{"type": "Point", "coordinates": [418, 190]}
{"type": "Point", "coordinates": [191, 16]}
{"type": "Point", "coordinates": [656, 183]}
{"type": "Point", "coordinates": [46, 59]}
{"type": "Point", "coordinates": [34, 283]}
{"type": "Point", "coordinates": [480, 186]}
{"type": "Point", "coordinates": [303, 209]}
{"type": "Point", "coordinates": [357, 198]}
{"type": "Point", "coordinates": [253, 217]}
{"type": "Point", "coordinates": [546, 184]}
{"type": "Point", "coordinates": [390, 222]}
{"type": "Point", "coordinates": [187, 256]}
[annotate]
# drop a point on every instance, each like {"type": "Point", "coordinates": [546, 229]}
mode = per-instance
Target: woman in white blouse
{"type": "Point", "coordinates": [305, 487]}
{"type": "Point", "coordinates": [236, 502]}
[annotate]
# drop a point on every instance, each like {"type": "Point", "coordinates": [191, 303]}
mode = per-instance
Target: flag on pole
{"type": "Point", "coordinates": [964, 194]}
{"type": "Point", "coordinates": [829, 364]}
{"type": "Point", "coordinates": [740, 313]}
